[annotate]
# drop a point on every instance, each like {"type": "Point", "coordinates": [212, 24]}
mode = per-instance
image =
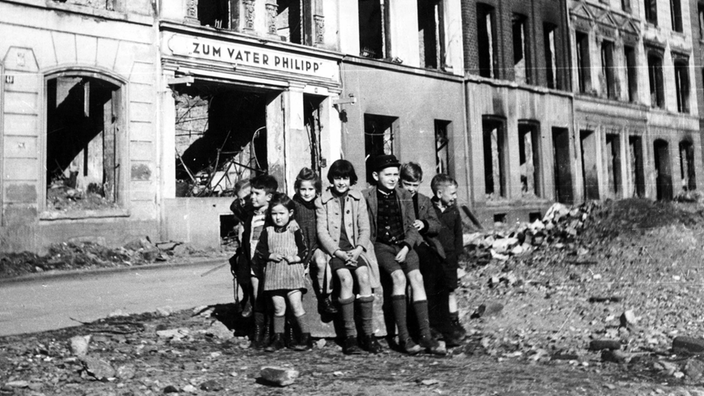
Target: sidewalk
{"type": "Point", "coordinates": [54, 300]}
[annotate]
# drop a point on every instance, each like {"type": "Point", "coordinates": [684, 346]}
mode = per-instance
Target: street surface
{"type": "Point", "coordinates": [53, 302]}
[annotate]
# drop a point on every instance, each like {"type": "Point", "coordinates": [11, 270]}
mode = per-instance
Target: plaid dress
{"type": "Point", "coordinates": [287, 241]}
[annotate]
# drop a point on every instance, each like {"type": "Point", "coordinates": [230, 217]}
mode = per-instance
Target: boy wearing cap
{"type": "Point", "coordinates": [392, 216]}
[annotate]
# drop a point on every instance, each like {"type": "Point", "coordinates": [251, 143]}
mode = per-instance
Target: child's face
{"type": "Point", "coordinates": [387, 178]}
{"type": "Point", "coordinates": [341, 184]}
{"type": "Point", "coordinates": [243, 195]}
{"type": "Point", "coordinates": [280, 215]}
{"type": "Point", "coordinates": [447, 195]}
{"type": "Point", "coordinates": [259, 198]}
{"type": "Point", "coordinates": [306, 190]}
{"type": "Point", "coordinates": [410, 186]}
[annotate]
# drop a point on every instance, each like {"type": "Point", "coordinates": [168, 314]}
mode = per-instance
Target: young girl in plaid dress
{"type": "Point", "coordinates": [281, 250]}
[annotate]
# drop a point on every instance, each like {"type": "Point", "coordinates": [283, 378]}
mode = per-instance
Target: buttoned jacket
{"type": "Point", "coordinates": [426, 212]}
{"type": "Point", "coordinates": [408, 215]}
{"type": "Point", "coordinates": [355, 219]}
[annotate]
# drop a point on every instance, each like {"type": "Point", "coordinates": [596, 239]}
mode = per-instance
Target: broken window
{"type": "Point", "coordinates": [521, 63]}
{"type": "Point", "coordinates": [663, 169]}
{"type": "Point", "coordinates": [613, 153]}
{"type": "Point", "coordinates": [631, 73]}
{"type": "Point", "coordinates": [607, 69]}
{"type": "Point", "coordinates": [83, 149]}
{"type": "Point", "coordinates": [626, 5]}
{"type": "Point", "coordinates": [312, 109]}
{"type": "Point", "coordinates": [657, 90]}
{"type": "Point", "coordinates": [590, 172]}
{"type": "Point", "coordinates": [550, 55]}
{"type": "Point", "coordinates": [214, 13]}
{"type": "Point", "coordinates": [486, 41]}
{"type": "Point", "coordinates": [529, 158]}
{"type": "Point", "coordinates": [442, 147]}
{"type": "Point", "coordinates": [220, 138]}
{"type": "Point", "coordinates": [687, 166]}
{"type": "Point", "coordinates": [676, 15]}
{"type": "Point", "coordinates": [583, 66]}
{"type": "Point", "coordinates": [635, 152]}
{"type": "Point", "coordinates": [682, 85]}
{"type": "Point", "coordinates": [371, 30]}
{"type": "Point", "coordinates": [651, 11]}
{"type": "Point", "coordinates": [288, 21]}
{"type": "Point", "coordinates": [495, 153]}
{"type": "Point", "coordinates": [378, 138]}
{"type": "Point", "coordinates": [431, 32]}
{"type": "Point", "coordinates": [562, 168]}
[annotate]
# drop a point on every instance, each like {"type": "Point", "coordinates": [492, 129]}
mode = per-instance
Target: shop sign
{"type": "Point", "coordinates": [242, 54]}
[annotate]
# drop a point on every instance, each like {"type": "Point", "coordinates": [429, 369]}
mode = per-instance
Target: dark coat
{"type": "Point", "coordinates": [408, 214]}
{"type": "Point", "coordinates": [426, 213]}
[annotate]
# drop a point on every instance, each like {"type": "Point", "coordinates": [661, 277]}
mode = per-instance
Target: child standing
{"type": "Point", "coordinates": [394, 235]}
{"type": "Point", "coordinates": [308, 187]}
{"type": "Point", "coordinates": [280, 252]}
{"type": "Point", "coordinates": [444, 198]}
{"type": "Point", "coordinates": [343, 231]}
{"type": "Point", "coordinates": [241, 207]}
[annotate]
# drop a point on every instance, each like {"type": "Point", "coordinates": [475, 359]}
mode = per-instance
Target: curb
{"type": "Point", "coordinates": [59, 274]}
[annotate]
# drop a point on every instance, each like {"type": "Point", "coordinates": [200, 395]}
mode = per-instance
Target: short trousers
{"type": "Point", "coordinates": [386, 255]}
{"type": "Point", "coordinates": [336, 264]}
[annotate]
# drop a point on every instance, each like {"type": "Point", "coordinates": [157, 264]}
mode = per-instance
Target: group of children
{"type": "Point", "coordinates": [348, 238]}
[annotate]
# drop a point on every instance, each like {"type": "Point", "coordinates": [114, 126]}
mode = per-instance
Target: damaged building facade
{"type": "Point", "coordinates": [77, 122]}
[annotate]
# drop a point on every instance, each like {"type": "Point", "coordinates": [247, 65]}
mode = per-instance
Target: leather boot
{"type": "Point", "coordinates": [277, 342]}
{"type": "Point", "coordinates": [370, 344]}
{"type": "Point", "coordinates": [305, 343]}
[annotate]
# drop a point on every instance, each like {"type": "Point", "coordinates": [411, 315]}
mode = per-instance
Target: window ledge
{"type": "Point", "coordinates": [83, 214]}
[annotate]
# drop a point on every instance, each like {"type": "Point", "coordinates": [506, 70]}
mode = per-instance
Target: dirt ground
{"type": "Point", "coordinates": [626, 272]}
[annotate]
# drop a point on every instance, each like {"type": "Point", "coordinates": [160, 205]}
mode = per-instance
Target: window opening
{"type": "Point", "coordinates": [288, 21]}
{"type": "Point", "coordinates": [590, 173]}
{"type": "Point", "coordinates": [635, 151]}
{"type": "Point", "coordinates": [378, 138]}
{"type": "Point", "coordinates": [485, 37]}
{"type": "Point", "coordinates": [700, 11]}
{"type": "Point", "coordinates": [494, 131]}
{"type": "Point", "coordinates": [534, 216]}
{"type": "Point", "coordinates": [220, 138]}
{"type": "Point", "coordinates": [613, 151]}
{"type": "Point", "coordinates": [529, 158]}
{"type": "Point", "coordinates": [663, 170]}
{"type": "Point", "coordinates": [228, 231]}
{"type": "Point", "coordinates": [312, 114]}
{"type": "Point", "coordinates": [631, 73]}
{"type": "Point", "coordinates": [550, 55]}
{"type": "Point", "coordinates": [682, 85]}
{"type": "Point", "coordinates": [521, 64]}
{"type": "Point", "coordinates": [676, 15]}
{"type": "Point", "coordinates": [562, 169]}
{"type": "Point", "coordinates": [657, 91]}
{"type": "Point", "coordinates": [607, 69]}
{"type": "Point", "coordinates": [371, 30]}
{"type": "Point", "coordinates": [82, 147]}
{"type": "Point", "coordinates": [214, 13]}
{"type": "Point", "coordinates": [687, 166]}
{"type": "Point", "coordinates": [583, 61]}
{"type": "Point", "coordinates": [442, 147]}
{"type": "Point", "coordinates": [651, 11]}
{"type": "Point", "coordinates": [626, 5]}
{"type": "Point", "coordinates": [500, 219]}
{"type": "Point", "coordinates": [431, 32]}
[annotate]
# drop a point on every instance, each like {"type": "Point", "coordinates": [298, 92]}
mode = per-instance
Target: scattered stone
{"type": "Point", "coordinates": [79, 345]}
{"type": "Point", "coordinates": [320, 343]}
{"type": "Point", "coordinates": [278, 375]}
{"type": "Point", "coordinates": [688, 345]}
{"type": "Point", "coordinates": [98, 368]}
{"type": "Point", "coordinates": [126, 371]}
{"type": "Point", "coordinates": [141, 243]}
{"type": "Point", "coordinates": [616, 356]}
{"type": "Point", "coordinates": [150, 254]}
{"type": "Point", "coordinates": [429, 382]}
{"type": "Point", "coordinates": [604, 299]}
{"type": "Point", "coordinates": [164, 311]}
{"type": "Point", "coordinates": [628, 319]}
{"type": "Point", "coordinates": [668, 368]}
{"type": "Point", "coordinates": [211, 386]}
{"type": "Point", "coordinates": [116, 313]}
{"type": "Point", "coordinates": [488, 309]}
{"type": "Point", "coordinates": [694, 369]}
{"type": "Point", "coordinates": [175, 334]}
{"type": "Point", "coordinates": [218, 330]}
{"type": "Point", "coordinates": [170, 389]}
{"type": "Point", "coordinates": [598, 345]}
{"type": "Point", "coordinates": [190, 389]}
{"type": "Point", "coordinates": [18, 384]}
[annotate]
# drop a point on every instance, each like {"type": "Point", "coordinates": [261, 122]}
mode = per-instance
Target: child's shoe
{"type": "Point", "coordinates": [305, 343]}
{"type": "Point", "coordinates": [409, 346]}
{"type": "Point", "coordinates": [452, 340]}
{"type": "Point", "coordinates": [326, 306]}
{"type": "Point", "coordinates": [431, 345]}
{"type": "Point", "coordinates": [370, 343]}
{"type": "Point", "coordinates": [276, 343]}
{"type": "Point", "coordinates": [350, 347]}
{"type": "Point", "coordinates": [457, 328]}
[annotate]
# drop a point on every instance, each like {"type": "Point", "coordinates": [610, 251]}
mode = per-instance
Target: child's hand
{"type": "Point", "coordinates": [401, 256]}
{"type": "Point", "coordinates": [353, 254]}
{"type": "Point", "coordinates": [341, 255]}
{"type": "Point", "coordinates": [292, 259]}
{"type": "Point", "coordinates": [418, 224]}
{"type": "Point", "coordinates": [276, 257]}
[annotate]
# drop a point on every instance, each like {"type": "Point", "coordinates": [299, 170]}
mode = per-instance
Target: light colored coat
{"type": "Point", "coordinates": [329, 220]}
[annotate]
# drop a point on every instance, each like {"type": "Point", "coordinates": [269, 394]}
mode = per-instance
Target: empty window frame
{"type": "Point", "coordinates": [431, 32]}
{"type": "Point", "coordinates": [529, 158]}
{"type": "Point", "coordinates": [663, 169]}
{"type": "Point", "coordinates": [655, 77]}
{"type": "Point", "coordinates": [495, 157]}
{"type": "Point", "coordinates": [486, 40]}
{"type": "Point", "coordinates": [635, 152]}
{"type": "Point", "coordinates": [631, 73]}
{"type": "Point", "coordinates": [651, 11]}
{"type": "Point", "coordinates": [551, 77]}
{"type": "Point", "coordinates": [214, 13]}
{"type": "Point", "coordinates": [613, 163]}
{"type": "Point", "coordinates": [371, 29]}
{"type": "Point", "coordinates": [521, 58]}
{"type": "Point", "coordinates": [676, 15]}
{"type": "Point", "coordinates": [608, 70]}
{"type": "Point", "coordinates": [687, 167]}
{"type": "Point", "coordinates": [289, 19]}
{"type": "Point", "coordinates": [562, 165]}
{"type": "Point", "coordinates": [442, 147]}
{"type": "Point", "coordinates": [682, 85]}
{"type": "Point", "coordinates": [379, 138]}
{"type": "Point", "coordinates": [626, 5]}
{"type": "Point", "coordinates": [700, 12]}
{"type": "Point", "coordinates": [583, 62]}
{"type": "Point", "coordinates": [590, 168]}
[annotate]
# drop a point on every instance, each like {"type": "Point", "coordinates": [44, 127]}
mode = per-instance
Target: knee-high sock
{"type": "Point", "coordinates": [302, 324]}
{"type": "Point", "coordinates": [366, 303]}
{"type": "Point", "coordinates": [347, 309]}
{"type": "Point", "coordinates": [398, 303]}
{"type": "Point", "coordinates": [421, 309]}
